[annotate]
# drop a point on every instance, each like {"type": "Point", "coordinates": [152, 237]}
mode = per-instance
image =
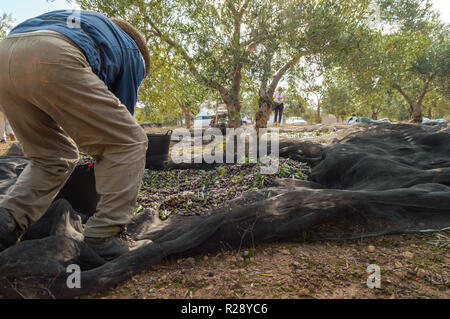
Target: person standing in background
{"type": "Point", "coordinates": [279, 98]}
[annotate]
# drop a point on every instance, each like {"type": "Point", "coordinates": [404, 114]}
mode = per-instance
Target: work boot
{"type": "Point", "coordinates": [112, 247]}
{"type": "Point", "coordinates": [9, 234]}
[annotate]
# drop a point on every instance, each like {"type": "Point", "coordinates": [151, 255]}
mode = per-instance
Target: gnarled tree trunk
{"type": "Point", "coordinates": [188, 120]}
{"type": "Point", "coordinates": [265, 109]}
{"type": "Point", "coordinates": [374, 112]}
{"type": "Point", "coordinates": [231, 99]}
{"type": "Point", "coordinates": [415, 109]}
{"type": "Point", "coordinates": [234, 112]}
{"type": "Point", "coordinates": [187, 114]}
{"type": "Point", "coordinates": [416, 113]}
{"type": "Point", "coordinates": [318, 117]}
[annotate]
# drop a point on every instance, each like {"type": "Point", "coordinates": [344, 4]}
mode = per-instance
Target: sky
{"type": "Point", "coordinates": [22, 10]}
{"type": "Point", "coordinates": [25, 9]}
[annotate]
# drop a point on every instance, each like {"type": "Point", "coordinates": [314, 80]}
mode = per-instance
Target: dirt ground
{"type": "Point", "coordinates": [4, 147]}
{"type": "Point", "coordinates": [410, 267]}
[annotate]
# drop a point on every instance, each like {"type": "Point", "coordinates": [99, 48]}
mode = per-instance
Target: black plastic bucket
{"type": "Point", "coordinates": [158, 150]}
{"type": "Point", "coordinates": [80, 190]}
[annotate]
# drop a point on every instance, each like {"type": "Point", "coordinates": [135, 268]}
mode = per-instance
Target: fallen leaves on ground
{"type": "Point", "coordinates": [310, 270]}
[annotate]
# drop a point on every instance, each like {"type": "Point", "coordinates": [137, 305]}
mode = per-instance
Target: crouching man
{"type": "Point", "coordinates": [66, 82]}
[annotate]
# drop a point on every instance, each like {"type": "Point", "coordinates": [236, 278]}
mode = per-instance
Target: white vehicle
{"type": "Point", "coordinates": [426, 120]}
{"type": "Point", "coordinates": [203, 120]}
{"type": "Point", "coordinates": [295, 120]}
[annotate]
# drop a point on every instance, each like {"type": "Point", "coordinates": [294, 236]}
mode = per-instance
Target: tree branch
{"type": "Point", "coordinates": [283, 71]}
{"type": "Point", "coordinates": [255, 40]}
{"type": "Point", "coordinates": [266, 71]}
{"type": "Point", "coordinates": [234, 12]}
{"type": "Point", "coordinates": [243, 8]}
{"type": "Point", "coordinates": [407, 98]}
{"type": "Point", "coordinates": [424, 92]}
{"type": "Point", "coordinates": [192, 68]}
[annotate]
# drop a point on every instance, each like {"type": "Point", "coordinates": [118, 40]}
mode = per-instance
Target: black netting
{"type": "Point", "coordinates": [384, 179]}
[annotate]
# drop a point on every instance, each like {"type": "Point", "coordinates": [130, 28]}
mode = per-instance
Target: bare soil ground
{"type": "Point", "coordinates": [410, 268]}
{"type": "Point", "coordinates": [4, 147]}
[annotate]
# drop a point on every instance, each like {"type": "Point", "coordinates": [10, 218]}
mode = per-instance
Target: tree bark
{"type": "Point", "coordinates": [234, 104]}
{"type": "Point", "coordinates": [374, 112]}
{"type": "Point", "coordinates": [416, 114]}
{"type": "Point", "coordinates": [318, 117]}
{"type": "Point", "coordinates": [187, 117]}
{"type": "Point", "coordinates": [186, 112]}
{"type": "Point", "coordinates": [234, 114]}
{"type": "Point", "coordinates": [415, 109]}
{"type": "Point", "coordinates": [265, 108]}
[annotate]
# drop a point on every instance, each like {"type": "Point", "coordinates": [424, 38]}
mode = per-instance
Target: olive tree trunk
{"type": "Point", "coordinates": [375, 112]}
{"type": "Point", "coordinates": [265, 108]}
{"type": "Point", "coordinates": [415, 108]}
{"type": "Point", "coordinates": [186, 113]}
{"type": "Point", "coordinates": [318, 117]}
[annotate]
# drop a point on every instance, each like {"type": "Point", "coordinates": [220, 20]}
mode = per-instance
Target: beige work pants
{"type": "Point", "coordinates": [55, 102]}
